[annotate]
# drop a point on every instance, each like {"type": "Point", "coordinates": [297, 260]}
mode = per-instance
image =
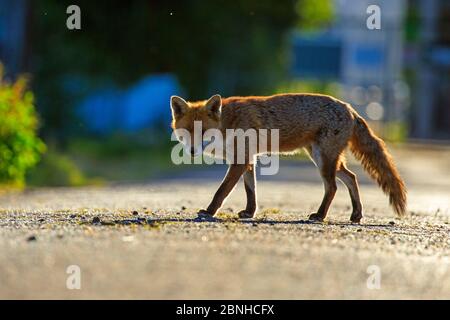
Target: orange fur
{"type": "Point", "coordinates": [321, 124]}
{"type": "Point", "coordinates": [376, 160]}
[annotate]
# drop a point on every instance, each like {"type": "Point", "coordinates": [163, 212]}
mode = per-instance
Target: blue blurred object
{"type": "Point", "coordinates": [368, 56]}
{"type": "Point", "coordinates": [317, 57]}
{"type": "Point", "coordinates": [440, 56]}
{"type": "Point", "coordinates": [141, 106]}
{"type": "Point", "coordinates": [101, 112]}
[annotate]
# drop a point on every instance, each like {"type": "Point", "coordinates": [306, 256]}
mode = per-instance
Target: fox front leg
{"type": "Point", "coordinates": [234, 172]}
{"type": "Point", "coordinates": [250, 190]}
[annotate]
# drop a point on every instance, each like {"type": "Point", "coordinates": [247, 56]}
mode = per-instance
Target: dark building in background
{"type": "Point", "coordinates": [366, 63]}
{"type": "Point", "coordinates": [430, 116]}
{"type": "Point", "coordinates": [387, 74]}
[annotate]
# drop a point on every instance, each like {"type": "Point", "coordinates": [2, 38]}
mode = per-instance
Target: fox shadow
{"type": "Point", "coordinates": [254, 222]}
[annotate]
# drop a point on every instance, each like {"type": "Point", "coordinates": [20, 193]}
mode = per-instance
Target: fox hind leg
{"type": "Point", "coordinates": [349, 179]}
{"type": "Point", "coordinates": [250, 190]}
{"type": "Point", "coordinates": [326, 163]}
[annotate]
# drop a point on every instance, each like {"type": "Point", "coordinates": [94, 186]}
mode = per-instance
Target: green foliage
{"type": "Point", "coordinates": [234, 47]}
{"type": "Point", "coordinates": [123, 157]}
{"type": "Point", "coordinates": [231, 47]}
{"type": "Point", "coordinates": [310, 86]}
{"type": "Point", "coordinates": [412, 24]}
{"type": "Point", "coordinates": [20, 147]}
{"type": "Point", "coordinates": [56, 169]}
{"type": "Point", "coordinates": [314, 14]}
{"type": "Point", "coordinates": [395, 131]}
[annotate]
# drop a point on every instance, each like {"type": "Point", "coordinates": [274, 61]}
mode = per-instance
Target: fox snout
{"type": "Point", "coordinates": [195, 151]}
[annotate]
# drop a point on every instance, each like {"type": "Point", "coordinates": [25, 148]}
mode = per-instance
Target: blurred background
{"type": "Point", "coordinates": [91, 106]}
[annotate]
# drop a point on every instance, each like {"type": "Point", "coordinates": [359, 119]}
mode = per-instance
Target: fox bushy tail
{"type": "Point", "coordinates": [376, 160]}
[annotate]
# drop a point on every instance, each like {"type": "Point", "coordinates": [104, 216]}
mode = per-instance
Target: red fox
{"type": "Point", "coordinates": [324, 126]}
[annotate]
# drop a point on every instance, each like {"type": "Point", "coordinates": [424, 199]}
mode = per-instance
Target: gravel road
{"type": "Point", "coordinates": [144, 241]}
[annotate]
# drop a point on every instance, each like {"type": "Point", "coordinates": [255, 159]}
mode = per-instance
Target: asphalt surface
{"type": "Point", "coordinates": [144, 241]}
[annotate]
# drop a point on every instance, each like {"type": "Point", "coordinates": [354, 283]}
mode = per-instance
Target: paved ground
{"type": "Point", "coordinates": [161, 251]}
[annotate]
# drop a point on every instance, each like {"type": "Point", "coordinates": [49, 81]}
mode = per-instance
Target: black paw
{"type": "Point", "coordinates": [244, 214]}
{"type": "Point", "coordinates": [356, 217]}
{"type": "Point", "coordinates": [205, 215]}
{"type": "Point", "coordinates": [316, 217]}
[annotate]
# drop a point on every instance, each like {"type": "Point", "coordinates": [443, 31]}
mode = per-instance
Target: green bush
{"type": "Point", "coordinates": [20, 147]}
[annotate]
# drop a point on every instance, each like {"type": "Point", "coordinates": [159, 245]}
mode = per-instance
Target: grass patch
{"type": "Point", "coordinates": [270, 211]}
{"type": "Point", "coordinates": [98, 160]}
{"type": "Point", "coordinates": [122, 158]}
{"type": "Point", "coordinates": [57, 169]}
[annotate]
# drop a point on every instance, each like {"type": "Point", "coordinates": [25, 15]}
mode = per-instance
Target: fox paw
{"type": "Point", "coordinates": [204, 214]}
{"type": "Point", "coordinates": [316, 217]}
{"type": "Point", "coordinates": [244, 214]}
{"type": "Point", "coordinates": [356, 217]}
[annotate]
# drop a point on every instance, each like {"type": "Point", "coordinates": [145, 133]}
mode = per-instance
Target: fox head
{"type": "Point", "coordinates": [185, 115]}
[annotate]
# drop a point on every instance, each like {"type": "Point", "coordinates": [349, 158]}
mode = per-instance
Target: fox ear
{"type": "Point", "coordinates": [214, 105]}
{"type": "Point", "coordinates": [178, 106]}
